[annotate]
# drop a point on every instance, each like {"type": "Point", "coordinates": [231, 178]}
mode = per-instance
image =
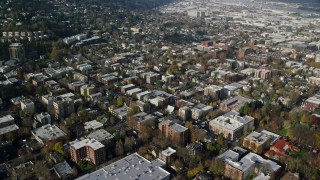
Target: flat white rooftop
{"type": "Point", "coordinates": [133, 166]}
{"type": "Point", "coordinates": [9, 128]}
{"type": "Point", "coordinates": [94, 144]}
{"type": "Point", "coordinates": [48, 132]}
{"type": "Point", "coordinates": [168, 152]}
{"type": "Point", "coordinates": [92, 125]}
{"type": "Point", "coordinates": [231, 120]}
{"type": "Point", "coordinates": [6, 119]}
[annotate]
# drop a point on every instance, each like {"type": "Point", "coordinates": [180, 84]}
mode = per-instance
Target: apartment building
{"type": "Point", "coordinates": [88, 149]}
{"type": "Point", "coordinates": [175, 132]}
{"type": "Point", "coordinates": [63, 106]}
{"type": "Point", "coordinates": [231, 125]}
{"type": "Point", "coordinates": [260, 141]}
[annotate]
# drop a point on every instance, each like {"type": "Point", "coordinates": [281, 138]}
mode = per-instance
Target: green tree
{"type": "Point", "coordinates": [129, 144]}
{"type": "Point", "coordinates": [120, 101]}
{"type": "Point", "coordinates": [56, 54]}
{"type": "Point", "coordinates": [217, 167]}
{"type": "Point", "coordinates": [192, 172]}
{"type": "Point", "coordinates": [305, 119]}
{"type": "Point", "coordinates": [59, 148]}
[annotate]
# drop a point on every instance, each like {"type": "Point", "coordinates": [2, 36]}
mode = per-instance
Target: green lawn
{"type": "Point", "coordinates": [298, 154]}
{"type": "Point", "coordinates": [282, 132]}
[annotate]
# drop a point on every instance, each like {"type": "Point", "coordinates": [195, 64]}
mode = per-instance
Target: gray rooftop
{"type": "Point", "coordinates": [63, 169]}
{"type": "Point", "coordinates": [94, 144]}
{"type": "Point", "coordinates": [6, 119]}
{"type": "Point", "coordinates": [128, 86]}
{"type": "Point", "coordinates": [92, 125]}
{"type": "Point", "coordinates": [262, 137]}
{"type": "Point", "coordinates": [142, 116]}
{"type": "Point", "coordinates": [122, 111]}
{"type": "Point", "coordinates": [231, 120]}
{"type": "Point", "coordinates": [229, 154]}
{"type": "Point", "coordinates": [250, 159]}
{"type": "Point", "coordinates": [314, 99]}
{"type": "Point", "coordinates": [238, 99]}
{"type": "Point", "coordinates": [48, 132]}
{"type": "Point", "coordinates": [133, 166]}
{"type": "Point", "coordinates": [9, 128]}
{"type": "Point", "coordinates": [100, 135]}
{"type": "Point", "coordinates": [178, 127]}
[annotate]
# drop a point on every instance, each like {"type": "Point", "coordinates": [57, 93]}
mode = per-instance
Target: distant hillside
{"type": "Point", "coordinates": [138, 4]}
{"type": "Point", "coordinates": [300, 1]}
{"type": "Point", "coordinates": [305, 5]}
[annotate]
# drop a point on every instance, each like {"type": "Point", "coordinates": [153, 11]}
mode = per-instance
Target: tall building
{"type": "Point", "coordinates": [7, 126]}
{"type": "Point", "coordinates": [87, 90]}
{"type": "Point", "coordinates": [63, 106]}
{"type": "Point", "coordinates": [43, 118]}
{"type": "Point", "coordinates": [88, 149]}
{"type": "Point", "coordinates": [262, 73]}
{"type": "Point", "coordinates": [17, 52]}
{"type": "Point", "coordinates": [138, 120]}
{"type": "Point", "coordinates": [175, 132]}
{"type": "Point", "coordinates": [28, 106]}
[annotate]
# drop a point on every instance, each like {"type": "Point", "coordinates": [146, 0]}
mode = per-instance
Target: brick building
{"type": "Point", "coordinates": [312, 103]}
{"type": "Point", "coordinates": [138, 120]}
{"type": "Point", "coordinates": [251, 163]}
{"type": "Point", "coordinates": [262, 73]}
{"type": "Point", "coordinates": [231, 125]}
{"type": "Point", "coordinates": [168, 155]}
{"type": "Point", "coordinates": [175, 132]}
{"type": "Point", "coordinates": [88, 149]}
{"type": "Point", "coordinates": [259, 141]}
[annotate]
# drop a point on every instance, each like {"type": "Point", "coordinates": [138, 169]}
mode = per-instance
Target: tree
{"type": "Point", "coordinates": [220, 140]}
{"type": "Point", "coordinates": [244, 109]}
{"type": "Point", "coordinates": [129, 144]}
{"type": "Point", "coordinates": [56, 54]}
{"type": "Point", "coordinates": [192, 172]}
{"type": "Point", "coordinates": [120, 101]}
{"type": "Point", "coordinates": [316, 137]}
{"type": "Point", "coordinates": [217, 167]}
{"type": "Point", "coordinates": [84, 116]}
{"type": "Point", "coordinates": [119, 150]}
{"type": "Point", "coordinates": [143, 150]}
{"type": "Point", "coordinates": [305, 119]}
{"type": "Point", "coordinates": [147, 131]}
{"type": "Point", "coordinates": [179, 166]}
{"type": "Point", "coordinates": [86, 165]}
{"type": "Point", "coordinates": [59, 148]}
